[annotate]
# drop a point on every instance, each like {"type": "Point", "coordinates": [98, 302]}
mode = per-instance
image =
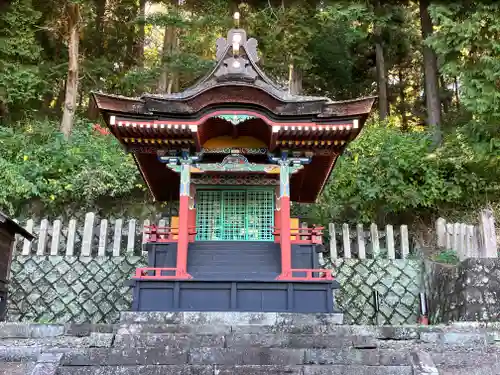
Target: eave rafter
{"type": "Point", "coordinates": [280, 129]}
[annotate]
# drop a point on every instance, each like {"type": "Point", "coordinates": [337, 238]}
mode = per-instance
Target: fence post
{"type": "Point", "coordinates": [131, 236]}
{"type": "Point", "coordinates": [375, 240]}
{"type": "Point", "coordinates": [389, 237]}
{"type": "Point", "coordinates": [42, 237]}
{"type": "Point", "coordinates": [346, 240]}
{"type": "Point", "coordinates": [441, 232]}
{"type": "Point", "coordinates": [488, 235]}
{"type": "Point", "coordinates": [361, 241]}
{"type": "Point", "coordinates": [103, 238]}
{"type": "Point", "coordinates": [56, 236]}
{"type": "Point", "coordinates": [333, 242]}
{"type": "Point", "coordinates": [117, 238]}
{"type": "Point", "coordinates": [70, 246]}
{"type": "Point", "coordinates": [449, 236]}
{"type": "Point", "coordinates": [88, 233]}
{"type": "Point", "coordinates": [145, 237]}
{"type": "Point", "coordinates": [27, 243]}
{"type": "Point", "coordinates": [462, 243]}
{"type": "Point", "coordinates": [405, 243]}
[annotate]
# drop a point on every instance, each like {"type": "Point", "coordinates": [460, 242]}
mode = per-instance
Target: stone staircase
{"type": "Point", "coordinates": [246, 344]}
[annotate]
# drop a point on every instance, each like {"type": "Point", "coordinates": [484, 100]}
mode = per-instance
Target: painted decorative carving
{"type": "Point", "coordinates": [185, 172]}
{"type": "Point", "coordinates": [236, 150]}
{"type": "Point", "coordinates": [235, 119]}
{"type": "Point", "coordinates": [234, 159]}
{"type": "Point", "coordinates": [236, 66]}
{"type": "Point", "coordinates": [251, 180]}
{"type": "Point", "coordinates": [236, 167]}
{"type": "Point", "coordinates": [251, 48]}
{"type": "Point", "coordinates": [221, 47]}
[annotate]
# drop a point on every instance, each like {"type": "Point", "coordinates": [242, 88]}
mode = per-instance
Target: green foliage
{"type": "Point", "coordinates": [468, 41]}
{"type": "Point", "coordinates": [284, 35]}
{"type": "Point", "coordinates": [446, 257]}
{"type": "Point", "coordinates": [21, 81]}
{"type": "Point", "coordinates": [37, 164]}
{"type": "Point", "coordinates": [388, 174]}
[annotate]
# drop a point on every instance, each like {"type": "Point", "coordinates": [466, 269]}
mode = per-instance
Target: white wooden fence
{"type": "Point", "coordinates": [103, 237]}
{"type": "Point", "coordinates": [360, 242]}
{"type": "Point", "coordinates": [121, 236]}
{"type": "Point", "coordinates": [96, 237]}
{"type": "Point", "coordinates": [469, 241]}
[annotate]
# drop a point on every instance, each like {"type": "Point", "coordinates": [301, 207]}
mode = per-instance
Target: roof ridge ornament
{"type": "Point", "coordinates": [236, 18]}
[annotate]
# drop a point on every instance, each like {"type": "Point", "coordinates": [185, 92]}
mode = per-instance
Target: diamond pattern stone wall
{"type": "Point", "coordinates": [75, 289]}
{"type": "Point", "coordinates": [63, 289]}
{"type": "Point", "coordinates": [398, 282]}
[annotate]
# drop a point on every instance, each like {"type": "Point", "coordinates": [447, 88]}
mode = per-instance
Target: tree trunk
{"type": "Point", "coordinates": [295, 80]}
{"type": "Point", "coordinates": [445, 96]}
{"type": "Point", "coordinates": [73, 14]}
{"type": "Point", "coordinates": [383, 100]}
{"type": "Point", "coordinates": [404, 117]}
{"type": "Point", "coordinates": [60, 98]}
{"type": "Point", "coordinates": [165, 79]}
{"type": "Point", "coordinates": [142, 34]}
{"type": "Point", "coordinates": [99, 25]}
{"type": "Point", "coordinates": [383, 97]}
{"type": "Point", "coordinates": [457, 93]}
{"type": "Point", "coordinates": [433, 102]}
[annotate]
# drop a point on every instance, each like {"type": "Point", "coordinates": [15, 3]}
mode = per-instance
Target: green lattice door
{"type": "Point", "coordinates": [235, 215]}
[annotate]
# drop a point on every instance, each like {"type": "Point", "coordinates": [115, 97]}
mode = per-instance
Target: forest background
{"type": "Point", "coordinates": [431, 148]}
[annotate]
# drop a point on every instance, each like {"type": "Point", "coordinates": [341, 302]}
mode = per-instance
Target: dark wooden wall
{"type": "Point", "coordinates": [6, 240]}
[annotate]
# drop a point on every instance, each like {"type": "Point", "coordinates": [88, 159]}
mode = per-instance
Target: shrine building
{"type": "Point", "coordinates": [234, 150]}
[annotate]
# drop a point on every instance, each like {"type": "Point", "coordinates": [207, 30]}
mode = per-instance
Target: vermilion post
{"type": "Point", "coordinates": [286, 246]}
{"type": "Point", "coordinates": [183, 242]}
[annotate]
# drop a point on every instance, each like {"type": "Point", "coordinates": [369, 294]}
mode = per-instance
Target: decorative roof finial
{"type": "Point", "coordinates": [237, 19]}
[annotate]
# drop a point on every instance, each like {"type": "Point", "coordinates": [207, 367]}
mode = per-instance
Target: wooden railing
{"type": "Point", "coordinates": [159, 234]}
{"type": "Point", "coordinates": [303, 235]}
{"type": "Point", "coordinates": [152, 273]}
{"type": "Point", "coordinates": [322, 274]}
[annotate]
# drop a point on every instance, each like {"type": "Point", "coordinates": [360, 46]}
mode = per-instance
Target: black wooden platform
{"type": "Point", "coordinates": [233, 276]}
{"type": "Point", "coordinates": [254, 296]}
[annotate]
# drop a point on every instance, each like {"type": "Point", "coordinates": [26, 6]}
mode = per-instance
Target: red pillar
{"type": "Point", "coordinates": [286, 246]}
{"type": "Point", "coordinates": [183, 241]}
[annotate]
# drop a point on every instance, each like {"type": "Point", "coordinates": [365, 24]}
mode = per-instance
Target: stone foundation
{"type": "Point", "coordinates": [467, 292]}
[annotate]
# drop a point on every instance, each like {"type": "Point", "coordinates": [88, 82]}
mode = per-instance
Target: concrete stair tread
{"type": "Point", "coordinates": [16, 368]}
{"type": "Point", "coordinates": [231, 356]}
{"type": "Point", "coordinates": [234, 340]}
{"type": "Point", "coordinates": [234, 319]}
{"type": "Point", "coordinates": [236, 370]}
{"type": "Point", "coordinates": [221, 329]}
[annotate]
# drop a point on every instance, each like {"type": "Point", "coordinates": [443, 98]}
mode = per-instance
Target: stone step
{"type": "Point", "coordinates": [231, 318]}
{"type": "Point", "coordinates": [467, 359]}
{"type": "Point", "coordinates": [236, 370]}
{"type": "Point", "coordinates": [232, 356]}
{"type": "Point", "coordinates": [238, 340]}
{"type": "Point", "coordinates": [23, 330]}
{"type": "Point", "coordinates": [12, 330]}
{"type": "Point", "coordinates": [94, 340]}
{"type": "Point", "coordinates": [304, 328]}
{"type": "Point", "coordinates": [19, 368]}
{"type": "Point", "coordinates": [478, 370]}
